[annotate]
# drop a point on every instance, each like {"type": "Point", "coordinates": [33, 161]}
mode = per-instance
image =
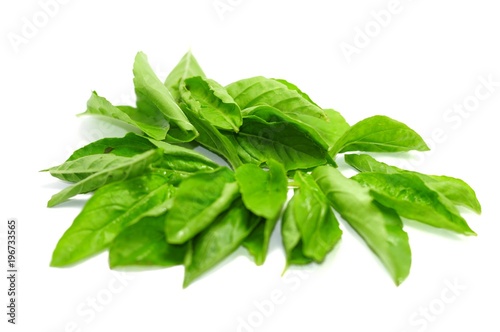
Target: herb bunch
{"type": "Point", "coordinates": [158, 202]}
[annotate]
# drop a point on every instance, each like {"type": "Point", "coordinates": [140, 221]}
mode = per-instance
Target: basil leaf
{"type": "Point", "coordinates": [79, 169]}
{"type": "Point", "coordinates": [311, 211]}
{"type": "Point", "coordinates": [456, 190]}
{"type": "Point", "coordinates": [263, 192]}
{"type": "Point", "coordinates": [211, 101]}
{"type": "Point", "coordinates": [281, 140]}
{"type": "Point", "coordinates": [199, 200]}
{"type": "Point", "coordinates": [187, 67]}
{"type": "Point", "coordinates": [412, 199]}
{"type": "Point", "coordinates": [219, 240]}
{"type": "Point", "coordinates": [264, 91]}
{"type": "Point", "coordinates": [257, 243]}
{"type": "Point", "coordinates": [379, 134]}
{"type": "Point", "coordinates": [212, 139]}
{"type": "Point", "coordinates": [291, 237]}
{"type": "Point", "coordinates": [293, 87]}
{"type": "Point", "coordinates": [144, 244]}
{"type": "Point", "coordinates": [108, 212]}
{"type": "Point", "coordinates": [180, 159]}
{"type": "Point", "coordinates": [380, 227]}
{"type": "Point", "coordinates": [128, 146]}
{"type": "Point", "coordinates": [292, 102]}
{"type": "Point", "coordinates": [150, 91]}
{"type": "Point", "coordinates": [148, 121]}
{"type": "Point", "coordinates": [135, 166]}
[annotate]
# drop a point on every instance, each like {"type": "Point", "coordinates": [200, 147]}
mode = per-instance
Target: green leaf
{"type": "Point", "coordinates": [379, 134]}
{"type": "Point", "coordinates": [292, 86]}
{"type": "Point", "coordinates": [380, 227]}
{"type": "Point", "coordinates": [412, 199]}
{"type": "Point", "coordinates": [144, 244]}
{"type": "Point", "coordinates": [211, 101]}
{"type": "Point", "coordinates": [199, 200]}
{"type": "Point", "coordinates": [111, 209]}
{"type": "Point", "coordinates": [219, 240]}
{"type": "Point", "coordinates": [263, 192]}
{"type": "Point", "coordinates": [281, 140]}
{"type": "Point", "coordinates": [134, 167]}
{"type": "Point", "coordinates": [149, 121]}
{"type": "Point", "coordinates": [150, 91]}
{"type": "Point", "coordinates": [79, 169]}
{"type": "Point", "coordinates": [180, 159]}
{"type": "Point", "coordinates": [264, 91]}
{"type": "Point", "coordinates": [128, 146]}
{"type": "Point", "coordinates": [456, 190]}
{"type": "Point", "coordinates": [187, 67]}
{"type": "Point", "coordinates": [292, 102]}
{"type": "Point", "coordinates": [291, 237]}
{"type": "Point", "coordinates": [318, 227]}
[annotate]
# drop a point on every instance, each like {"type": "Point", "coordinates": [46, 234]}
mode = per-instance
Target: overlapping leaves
{"type": "Point", "coordinates": [159, 202]}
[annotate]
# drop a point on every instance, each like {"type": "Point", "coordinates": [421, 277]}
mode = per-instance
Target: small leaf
{"type": "Point", "coordinates": [263, 192]}
{"type": "Point", "coordinates": [379, 134]}
{"type": "Point", "coordinates": [187, 67]}
{"type": "Point", "coordinates": [219, 240]}
{"type": "Point", "coordinates": [211, 101]}
{"type": "Point", "coordinates": [199, 200]}
{"type": "Point", "coordinates": [151, 94]}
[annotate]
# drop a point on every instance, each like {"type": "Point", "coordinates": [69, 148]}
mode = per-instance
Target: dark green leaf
{"type": "Point", "coordinates": [199, 200]}
{"type": "Point", "coordinates": [144, 244]}
{"type": "Point", "coordinates": [281, 140]}
{"type": "Point", "coordinates": [379, 134]}
{"type": "Point", "coordinates": [111, 209]}
{"type": "Point", "coordinates": [380, 227]}
{"type": "Point", "coordinates": [135, 166]}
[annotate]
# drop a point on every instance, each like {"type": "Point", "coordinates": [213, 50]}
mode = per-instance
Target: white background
{"type": "Point", "coordinates": [427, 58]}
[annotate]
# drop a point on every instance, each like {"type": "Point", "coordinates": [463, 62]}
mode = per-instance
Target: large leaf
{"type": "Point", "coordinates": [149, 121]}
{"type": "Point", "coordinates": [318, 227]}
{"type": "Point", "coordinates": [135, 166]}
{"type": "Point", "coordinates": [380, 227]}
{"type": "Point", "coordinates": [282, 140]}
{"type": "Point", "coordinates": [144, 244]}
{"type": "Point", "coordinates": [187, 67]}
{"type": "Point", "coordinates": [211, 101]}
{"type": "Point", "coordinates": [412, 199]}
{"type": "Point", "coordinates": [199, 200]}
{"type": "Point", "coordinates": [108, 212]}
{"type": "Point", "coordinates": [456, 190]}
{"type": "Point", "coordinates": [379, 134]}
{"type": "Point", "coordinates": [219, 240]}
{"type": "Point", "coordinates": [151, 94]}
{"type": "Point", "coordinates": [263, 192]}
